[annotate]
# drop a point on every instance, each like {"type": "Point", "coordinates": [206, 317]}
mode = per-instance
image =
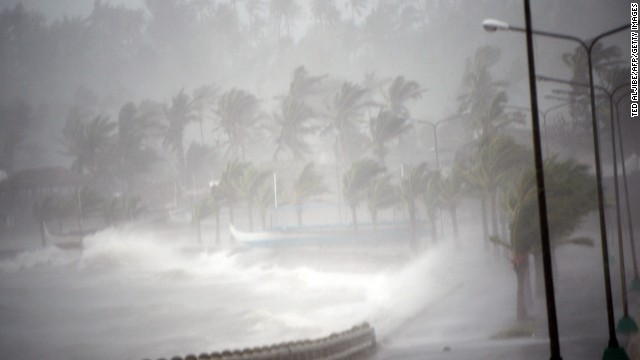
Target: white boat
{"type": "Point", "coordinates": [63, 241]}
{"type": "Point", "coordinates": [320, 233]}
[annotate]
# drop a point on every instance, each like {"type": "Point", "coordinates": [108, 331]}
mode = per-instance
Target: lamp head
{"type": "Point", "coordinates": [491, 25]}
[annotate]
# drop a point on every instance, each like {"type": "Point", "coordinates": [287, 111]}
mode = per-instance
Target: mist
{"type": "Point", "coordinates": [188, 177]}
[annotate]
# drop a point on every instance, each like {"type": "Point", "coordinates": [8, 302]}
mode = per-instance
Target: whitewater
{"type": "Point", "coordinates": [142, 292]}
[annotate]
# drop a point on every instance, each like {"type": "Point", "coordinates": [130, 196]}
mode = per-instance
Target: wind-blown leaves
{"type": "Point", "coordinates": [401, 91]}
{"type": "Point", "coordinates": [355, 182]}
{"type": "Point", "coordinates": [238, 112]}
{"type": "Point", "coordinates": [295, 124]}
{"type": "Point", "coordinates": [383, 128]}
{"type": "Point", "coordinates": [308, 185]}
{"type": "Point", "coordinates": [87, 142]}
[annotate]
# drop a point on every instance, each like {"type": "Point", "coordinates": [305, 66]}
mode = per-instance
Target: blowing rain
{"type": "Point", "coordinates": [318, 179]}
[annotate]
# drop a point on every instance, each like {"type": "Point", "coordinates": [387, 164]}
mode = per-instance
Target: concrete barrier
{"type": "Point", "coordinates": [354, 343]}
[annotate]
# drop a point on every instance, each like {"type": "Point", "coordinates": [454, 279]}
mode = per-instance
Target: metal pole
{"type": "Point", "coordinates": [542, 202]}
{"type": "Point", "coordinates": [626, 324]}
{"type": "Point", "coordinates": [635, 284]}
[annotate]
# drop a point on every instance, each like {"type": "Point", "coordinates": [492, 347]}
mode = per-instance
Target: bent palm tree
{"type": "Point", "coordinates": [400, 91]}
{"type": "Point", "coordinates": [248, 184]}
{"type": "Point", "coordinates": [87, 142]}
{"type": "Point", "coordinates": [569, 189]}
{"type": "Point", "coordinates": [452, 189]}
{"type": "Point", "coordinates": [238, 112]}
{"type": "Point", "coordinates": [295, 125]}
{"type": "Point", "coordinates": [302, 85]}
{"type": "Point", "coordinates": [308, 185]}
{"type": "Point", "coordinates": [355, 182]}
{"type": "Point", "coordinates": [178, 115]}
{"type": "Point", "coordinates": [411, 187]}
{"type": "Point", "coordinates": [384, 128]}
{"type": "Point", "coordinates": [381, 194]}
{"type": "Point", "coordinates": [227, 187]}
{"type": "Point", "coordinates": [430, 199]}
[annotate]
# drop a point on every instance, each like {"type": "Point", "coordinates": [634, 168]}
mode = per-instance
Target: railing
{"type": "Point", "coordinates": [354, 343]}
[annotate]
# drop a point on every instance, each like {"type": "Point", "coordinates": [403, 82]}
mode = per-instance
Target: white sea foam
{"type": "Point", "coordinates": [134, 287]}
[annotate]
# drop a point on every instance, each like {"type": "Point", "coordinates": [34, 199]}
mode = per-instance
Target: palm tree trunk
{"type": "Point", "coordinates": [354, 216]}
{"type": "Point", "coordinates": [250, 212]}
{"type": "Point", "coordinates": [218, 227]}
{"type": "Point", "coordinates": [494, 213]}
{"type": "Point", "coordinates": [43, 237]}
{"type": "Point", "coordinates": [434, 231]}
{"type": "Point", "coordinates": [519, 268]}
{"type": "Point", "coordinates": [454, 222]}
{"type": "Point", "coordinates": [412, 222]}
{"type": "Point", "coordinates": [199, 232]}
{"type": "Point", "coordinates": [374, 220]}
{"type": "Point", "coordinates": [539, 274]}
{"type": "Point", "coordinates": [201, 131]}
{"type": "Point", "coordinates": [485, 223]}
{"type": "Point", "coordinates": [528, 296]}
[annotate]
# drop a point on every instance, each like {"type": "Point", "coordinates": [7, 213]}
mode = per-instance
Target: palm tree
{"type": "Point", "coordinates": [254, 9]}
{"type": "Point", "coordinates": [203, 97]}
{"type": "Point", "coordinates": [294, 125]}
{"type": "Point", "coordinates": [265, 200]}
{"type": "Point", "coordinates": [248, 184]}
{"type": "Point", "coordinates": [200, 211]}
{"type": "Point", "coordinates": [15, 120]}
{"type": "Point", "coordinates": [496, 159]}
{"type": "Point", "coordinates": [400, 91]}
{"type": "Point", "coordinates": [283, 13]}
{"type": "Point", "coordinates": [308, 185]}
{"type": "Point", "coordinates": [238, 112]}
{"type": "Point", "coordinates": [216, 200]}
{"type": "Point", "coordinates": [452, 189]}
{"type": "Point", "coordinates": [325, 13]}
{"type": "Point", "coordinates": [133, 156]}
{"type": "Point", "coordinates": [87, 142]}
{"type": "Point", "coordinates": [345, 114]}
{"type": "Point", "coordinates": [196, 159]}
{"type": "Point", "coordinates": [357, 8]}
{"type": "Point", "coordinates": [431, 201]}
{"type": "Point", "coordinates": [227, 188]}
{"type": "Point", "coordinates": [484, 98]}
{"type": "Point", "coordinates": [569, 190]}
{"type": "Point", "coordinates": [355, 182]}
{"type": "Point", "coordinates": [121, 209]}
{"type": "Point", "coordinates": [178, 115]}
{"type": "Point", "coordinates": [302, 85]}
{"type": "Point", "coordinates": [384, 128]}
{"type": "Point", "coordinates": [381, 194]}
{"type": "Point", "coordinates": [43, 212]}
{"type": "Point", "coordinates": [411, 188]}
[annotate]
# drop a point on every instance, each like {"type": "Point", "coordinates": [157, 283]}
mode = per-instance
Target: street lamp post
{"type": "Point", "coordinates": [626, 324]}
{"type": "Point", "coordinates": [635, 283]}
{"type": "Point", "coordinates": [434, 127]}
{"type": "Point", "coordinates": [544, 120]}
{"type": "Point", "coordinates": [542, 202]}
{"type": "Point", "coordinates": [613, 351]}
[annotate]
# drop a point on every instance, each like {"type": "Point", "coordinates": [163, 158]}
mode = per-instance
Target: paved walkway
{"type": "Point", "coordinates": [459, 325]}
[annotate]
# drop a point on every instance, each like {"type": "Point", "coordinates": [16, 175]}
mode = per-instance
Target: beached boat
{"type": "Point", "coordinates": [72, 241]}
{"type": "Point", "coordinates": [320, 233]}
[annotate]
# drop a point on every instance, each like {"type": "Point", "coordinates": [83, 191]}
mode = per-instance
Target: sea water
{"type": "Point", "coordinates": [135, 293]}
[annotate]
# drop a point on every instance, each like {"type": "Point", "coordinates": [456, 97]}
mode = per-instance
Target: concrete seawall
{"type": "Point", "coordinates": [355, 343]}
